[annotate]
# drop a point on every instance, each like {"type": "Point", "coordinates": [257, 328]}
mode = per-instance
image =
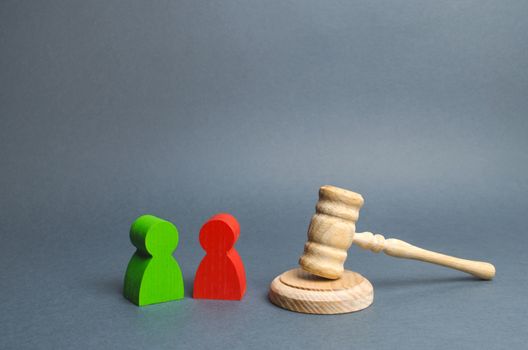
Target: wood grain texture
{"type": "Point", "coordinates": [331, 232]}
{"type": "Point", "coordinates": [400, 249]}
{"type": "Point", "coordinates": [299, 291]}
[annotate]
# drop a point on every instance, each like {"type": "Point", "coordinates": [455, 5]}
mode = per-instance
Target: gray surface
{"type": "Point", "coordinates": [111, 109]}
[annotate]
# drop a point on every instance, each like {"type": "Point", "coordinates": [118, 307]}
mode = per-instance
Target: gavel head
{"type": "Point", "coordinates": [331, 232]}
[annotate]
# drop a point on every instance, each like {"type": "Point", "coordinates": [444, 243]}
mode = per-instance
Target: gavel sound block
{"type": "Point", "coordinates": [321, 285]}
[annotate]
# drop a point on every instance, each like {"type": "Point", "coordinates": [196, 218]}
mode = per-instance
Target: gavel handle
{"type": "Point", "coordinates": [401, 249]}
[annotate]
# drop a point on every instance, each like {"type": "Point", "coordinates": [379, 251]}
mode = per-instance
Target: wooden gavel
{"type": "Point", "coordinates": [333, 230]}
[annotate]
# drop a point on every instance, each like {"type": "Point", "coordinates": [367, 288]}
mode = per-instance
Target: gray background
{"type": "Point", "coordinates": [112, 109]}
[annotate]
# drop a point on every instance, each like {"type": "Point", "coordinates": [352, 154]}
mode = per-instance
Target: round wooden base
{"type": "Point", "coordinates": [300, 291]}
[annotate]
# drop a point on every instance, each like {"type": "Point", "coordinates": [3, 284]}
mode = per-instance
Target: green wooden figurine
{"type": "Point", "coordinates": [153, 275]}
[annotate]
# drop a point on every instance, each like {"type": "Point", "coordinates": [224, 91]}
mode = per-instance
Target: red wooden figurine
{"type": "Point", "coordinates": [221, 273]}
